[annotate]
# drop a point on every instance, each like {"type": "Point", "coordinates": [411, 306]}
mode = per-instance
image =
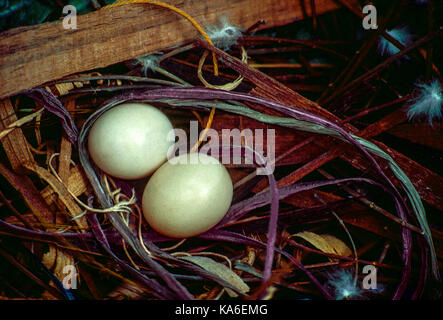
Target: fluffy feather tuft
{"type": "Point", "coordinates": [428, 101]}
{"type": "Point", "coordinates": [344, 285]}
{"type": "Point", "coordinates": [149, 62]}
{"type": "Point", "coordinates": [401, 34]}
{"type": "Point", "coordinates": [224, 35]}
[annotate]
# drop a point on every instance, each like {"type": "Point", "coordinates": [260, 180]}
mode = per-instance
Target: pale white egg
{"type": "Point", "coordinates": [130, 141]}
{"type": "Point", "coordinates": [187, 195]}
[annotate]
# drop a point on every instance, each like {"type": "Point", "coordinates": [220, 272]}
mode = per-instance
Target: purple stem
{"type": "Point", "coordinates": [156, 288]}
{"type": "Point", "coordinates": [55, 106]}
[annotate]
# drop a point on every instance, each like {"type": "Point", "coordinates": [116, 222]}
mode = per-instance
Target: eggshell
{"type": "Point", "coordinates": [187, 198]}
{"type": "Point", "coordinates": [130, 140]}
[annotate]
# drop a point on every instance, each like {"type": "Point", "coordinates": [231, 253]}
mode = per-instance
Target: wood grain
{"type": "Point", "coordinates": [31, 56]}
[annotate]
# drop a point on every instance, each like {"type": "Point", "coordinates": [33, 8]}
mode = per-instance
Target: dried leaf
{"type": "Point", "coordinates": [56, 260]}
{"type": "Point", "coordinates": [63, 259]}
{"type": "Point", "coordinates": [65, 159]}
{"type": "Point", "coordinates": [18, 123]}
{"type": "Point", "coordinates": [64, 88]}
{"type": "Point", "coordinates": [127, 290]}
{"type": "Point", "coordinates": [337, 245]}
{"type": "Point", "coordinates": [221, 271]}
{"type": "Point", "coordinates": [49, 258]}
{"type": "Point", "coordinates": [77, 184]}
{"type": "Point", "coordinates": [30, 194]}
{"type": "Point", "coordinates": [14, 142]}
{"type": "Point", "coordinates": [326, 243]}
{"type": "Point", "coordinates": [63, 194]}
{"type": "Point", "coordinates": [316, 240]}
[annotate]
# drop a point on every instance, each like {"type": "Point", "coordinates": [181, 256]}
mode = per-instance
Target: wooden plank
{"type": "Point", "coordinates": [31, 56]}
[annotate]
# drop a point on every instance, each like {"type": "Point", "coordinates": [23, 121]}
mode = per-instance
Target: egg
{"type": "Point", "coordinates": [187, 195]}
{"type": "Point", "coordinates": [130, 141]}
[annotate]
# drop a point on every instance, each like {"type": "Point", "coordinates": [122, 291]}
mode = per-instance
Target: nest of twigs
{"type": "Point", "coordinates": [355, 184]}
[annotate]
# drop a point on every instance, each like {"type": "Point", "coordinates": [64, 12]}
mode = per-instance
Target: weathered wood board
{"type": "Point", "coordinates": [31, 56]}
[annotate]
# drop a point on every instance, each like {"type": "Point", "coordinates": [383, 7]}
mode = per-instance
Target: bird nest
{"type": "Point", "coordinates": [347, 208]}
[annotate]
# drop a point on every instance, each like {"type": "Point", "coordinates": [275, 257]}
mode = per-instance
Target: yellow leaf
{"type": "Point", "coordinates": [316, 240]}
{"type": "Point", "coordinates": [337, 245]}
{"type": "Point", "coordinates": [326, 243]}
